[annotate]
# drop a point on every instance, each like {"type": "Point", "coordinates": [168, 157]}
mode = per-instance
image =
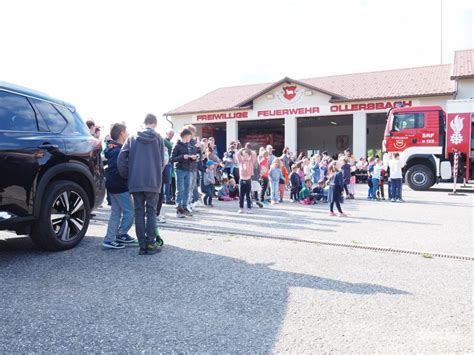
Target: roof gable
{"type": "Point", "coordinates": [286, 80]}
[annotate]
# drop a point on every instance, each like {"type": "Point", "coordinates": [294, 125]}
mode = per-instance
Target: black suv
{"type": "Point", "coordinates": [51, 174]}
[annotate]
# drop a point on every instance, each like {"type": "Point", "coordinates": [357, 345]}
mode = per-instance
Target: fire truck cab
{"type": "Point", "coordinates": [419, 135]}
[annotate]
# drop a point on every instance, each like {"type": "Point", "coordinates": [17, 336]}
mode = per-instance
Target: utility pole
{"type": "Point", "coordinates": [441, 30]}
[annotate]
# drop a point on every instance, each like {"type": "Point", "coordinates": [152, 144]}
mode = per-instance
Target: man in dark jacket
{"type": "Point", "coordinates": [121, 215]}
{"type": "Point", "coordinates": [183, 155]}
{"type": "Point", "coordinates": [141, 160]}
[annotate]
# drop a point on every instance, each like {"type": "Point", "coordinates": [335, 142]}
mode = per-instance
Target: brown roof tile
{"type": "Point", "coordinates": [399, 83]}
{"type": "Point", "coordinates": [463, 66]}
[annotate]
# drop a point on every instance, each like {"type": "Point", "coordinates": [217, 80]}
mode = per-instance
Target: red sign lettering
{"type": "Point", "coordinates": [368, 106]}
{"type": "Point", "coordinates": [222, 116]}
{"type": "Point", "coordinates": [288, 111]}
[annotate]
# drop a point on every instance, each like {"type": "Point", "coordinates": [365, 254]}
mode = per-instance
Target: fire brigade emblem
{"type": "Point", "coordinates": [289, 94]}
{"type": "Point", "coordinates": [399, 144]}
{"type": "Point", "coordinates": [457, 125]}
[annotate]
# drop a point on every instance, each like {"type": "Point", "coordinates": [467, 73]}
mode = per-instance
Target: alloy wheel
{"type": "Point", "coordinates": [68, 215]}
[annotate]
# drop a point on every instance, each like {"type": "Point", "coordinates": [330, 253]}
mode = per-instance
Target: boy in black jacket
{"type": "Point", "coordinates": [294, 183]}
{"type": "Point", "coordinates": [121, 216]}
{"type": "Point", "coordinates": [183, 155]}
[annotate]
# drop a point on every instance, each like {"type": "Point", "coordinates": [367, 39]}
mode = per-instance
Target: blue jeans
{"type": "Point", "coordinates": [274, 190]}
{"type": "Point", "coordinates": [145, 203]}
{"type": "Point", "coordinates": [182, 187]}
{"type": "Point", "coordinates": [375, 187]}
{"type": "Point", "coordinates": [396, 186]}
{"type": "Point", "coordinates": [167, 187]}
{"type": "Point", "coordinates": [121, 216]}
{"type": "Point", "coordinates": [193, 186]}
{"type": "Point", "coordinates": [209, 194]}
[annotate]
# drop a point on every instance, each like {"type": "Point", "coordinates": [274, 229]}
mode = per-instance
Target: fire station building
{"type": "Point", "coordinates": [326, 113]}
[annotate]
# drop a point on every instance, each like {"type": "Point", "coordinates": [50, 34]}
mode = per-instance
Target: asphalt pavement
{"type": "Point", "coordinates": [231, 292]}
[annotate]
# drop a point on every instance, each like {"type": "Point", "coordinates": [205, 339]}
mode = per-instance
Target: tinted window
{"type": "Point", "coordinates": [53, 118]}
{"type": "Point", "coordinates": [75, 124]}
{"type": "Point", "coordinates": [16, 113]}
{"type": "Point", "coordinates": [408, 121]}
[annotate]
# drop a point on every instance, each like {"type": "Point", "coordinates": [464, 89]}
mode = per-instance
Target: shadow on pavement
{"type": "Point", "coordinates": [87, 299]}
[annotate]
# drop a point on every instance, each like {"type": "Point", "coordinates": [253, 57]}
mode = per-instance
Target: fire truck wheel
{"type": "Point", "coordinates": [420, 177]}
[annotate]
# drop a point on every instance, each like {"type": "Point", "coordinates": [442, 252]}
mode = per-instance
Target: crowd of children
{"type": "Point", "coordinates": [191, 170]}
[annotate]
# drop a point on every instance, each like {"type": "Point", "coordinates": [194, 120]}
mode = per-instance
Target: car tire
{"type": "Point", "coordinates": [419, 177]}
{"type": "Point", "coordinates": [64, 216]}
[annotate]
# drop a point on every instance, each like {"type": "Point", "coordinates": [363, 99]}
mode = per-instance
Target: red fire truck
{"type": "Point", "coordinates": [426, 138]}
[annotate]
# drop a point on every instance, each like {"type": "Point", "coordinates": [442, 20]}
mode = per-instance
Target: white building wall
{"type": "Point", "coordinates": [434, 101]}
{"type": "Point", "coordinates": [359, 135]}
{"type": "Point", "coordinates": [465, 89]}
{"type": "Point", "coordinates": [291, 133]}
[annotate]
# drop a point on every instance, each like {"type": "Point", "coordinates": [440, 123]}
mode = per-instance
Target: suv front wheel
{"type": "Point", "coordinates": [64, 216]}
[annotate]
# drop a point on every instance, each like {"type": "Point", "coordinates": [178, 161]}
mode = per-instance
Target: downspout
{"type": "Point", "coordinates": [171, 123]}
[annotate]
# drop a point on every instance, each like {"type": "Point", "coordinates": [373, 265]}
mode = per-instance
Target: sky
{"type": "Point", "coordinates": [119, 60]}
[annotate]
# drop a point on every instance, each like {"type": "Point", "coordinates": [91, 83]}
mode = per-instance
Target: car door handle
{"type": "Point", "coordinates": [48, 146]}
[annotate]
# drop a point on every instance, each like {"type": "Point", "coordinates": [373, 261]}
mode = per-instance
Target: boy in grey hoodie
{"type": "Point", "coordinates": [142, 161]}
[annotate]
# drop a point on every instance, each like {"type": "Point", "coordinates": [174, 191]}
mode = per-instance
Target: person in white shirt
{"type": "Point", "coordinates": [396, 176]}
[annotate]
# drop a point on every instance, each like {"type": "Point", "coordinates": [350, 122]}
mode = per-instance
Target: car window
{"type": "Point", "coordinates": [16, 113]}
{"type": "Point", "coordinates": [403, 121]}
{"type": "Point", "coordinates": [75, 124]}
{"type": "Point", "coordinates": [53, 118]}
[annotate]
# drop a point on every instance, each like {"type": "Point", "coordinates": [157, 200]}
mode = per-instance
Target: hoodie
{"type": "Point", "coordinates": [114, 183]}
{"type": "Point", "coordinates": [142, 160]}
{"type": "Point", "coordinates": [246, 164]}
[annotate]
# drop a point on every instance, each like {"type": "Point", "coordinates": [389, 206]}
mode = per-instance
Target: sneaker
{"type": "Point", "coordinates": [125, 239]}
{"type": "Point", "coordinates": [113, 245]}
{"type": "Point", "coordinates": [150, 249]}
{"type": "Point", "coordinates": [259, 204]}
{"type": "Point", "coordinates": [249, 211]}
{"type": "Point", "coordinates": [189, 208]}
{"type": "Point", "coordinates": [393, 200]}
{"type": "Point", "coordinates": [343, 214]}
{"type": "Point", "coordinates": [240, 211]}
{"type": "Point", "coordinates": [332, 214]}
{"type": "Point", "coordinates": [160, 219]}
{"type": "Point", "coordinates": [281, 200]}
{"type": "Point", "coordinates": [180, 212]}
{"type": "Point", "coordinates": [187, 212]}
{"type": "Point", "coordinates": [400, 200]}
{"type": "Point", "coordinates": [210, 205]}
{"type": "Point", "coordinates": [159, 242]}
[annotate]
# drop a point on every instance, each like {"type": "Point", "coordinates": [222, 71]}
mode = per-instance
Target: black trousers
{"type": "Point", "coordinates": [264, 184]}
{"type": "Point", "coordinates": [245, 190]}
{"type": "Point", "coordinates": [338, 206]}
{"type": "Point", "coordinates": [161, 197]}
{"type": "Point", "coordinates": [294, 193]}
